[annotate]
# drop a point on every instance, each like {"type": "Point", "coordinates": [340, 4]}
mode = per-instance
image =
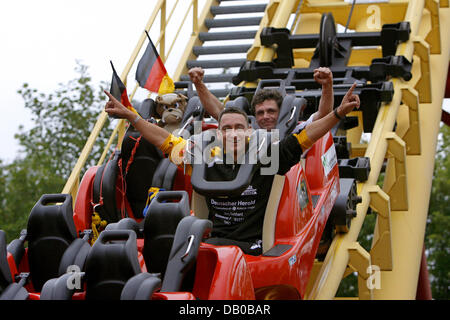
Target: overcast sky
{"type": "Point", "coordinates": [41, 40]}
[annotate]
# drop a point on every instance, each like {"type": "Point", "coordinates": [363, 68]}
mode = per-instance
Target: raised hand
{"type": "Point", "coordinates": [116, 109]}
{"type": "Point", "coordinates": [196, 75]}
{"type": "Point", "coordinates": [323, 76]}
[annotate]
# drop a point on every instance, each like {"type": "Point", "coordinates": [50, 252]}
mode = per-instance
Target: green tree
{"type": "Point", "coordinates": [49, 150]}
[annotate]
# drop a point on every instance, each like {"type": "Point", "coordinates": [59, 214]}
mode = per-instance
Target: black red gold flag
{"type": "Point", "coordinates": [119, 91]}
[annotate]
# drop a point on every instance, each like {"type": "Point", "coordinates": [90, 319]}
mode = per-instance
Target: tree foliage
{"type": "Point", "coordinates": [62, 121]}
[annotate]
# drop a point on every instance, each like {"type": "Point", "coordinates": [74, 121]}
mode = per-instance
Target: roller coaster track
{"type": "Point", "coordinates": [403, 138]}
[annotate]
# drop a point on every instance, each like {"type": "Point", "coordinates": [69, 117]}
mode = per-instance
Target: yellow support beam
{"type": "Point", "coordinates": [381, 251]}
{"type": "Point", "coordinates": [411, 135]}
{"type": "Point", "coordinates": [423, 85]}
{"type": "Point", "coordinates": [434, 35]}
{"type": "Point", "coordinates": [395, 182]}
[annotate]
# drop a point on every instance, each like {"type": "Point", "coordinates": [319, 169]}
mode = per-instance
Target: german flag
{"type": "Point", "coordinates": [119, 91]}
{"type": "Point", "coordinates": [151, 73]}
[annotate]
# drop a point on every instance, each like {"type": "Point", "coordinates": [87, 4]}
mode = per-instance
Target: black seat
{"type": "Point", "coordinates": [243, 104]}
{"type": "Point", "coordinates": [143, 164]}
{"type": "Point", "coordinates": [180, 271]}
{"type": "Point", "coordinates": [140, 287]}
{"type": "Point", "coordinates": [164, 176]}
{"type": "Point", "coordinates": [111, 263]}
{"type": "Point", "coordinates": [183, 254]}
{"type": "Point", "coordinates": [104, 188]}
{"type": "Point", "coordinates": [57, 288]}
{"type": "Point", "coordinates": [17, 247]}
{"type": "Point", "coordinates": [160, 225]}
{"type": "Point", "coordinates": [194, 112]}
{"type": "Point", "coordinates": [75, 255]}
{"type": "Point", "coordinates": [147, 110]}
{"type": "Point", "coordinates": [73, 260]}
{"type": "Point", "coordinates": [127, 224]}
{"type": "Point", "coordinates": [291, 110]}
{"type": "Point", "coordinates": [50, 231]}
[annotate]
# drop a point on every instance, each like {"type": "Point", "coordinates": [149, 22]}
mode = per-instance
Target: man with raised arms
{"type": "Point", "coordinates": [238, 220]}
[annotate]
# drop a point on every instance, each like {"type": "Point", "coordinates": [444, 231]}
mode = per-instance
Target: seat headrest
{"type": "Point", "coordinates": [47, 218]}
{"type": "Point", "coordinates": [165, 173]}
{"type": "Point", "coordinates": [140, 287]}
{"type": "Point", "coordinates": [184, 251]}
{"type": "Point", "coordinates": [147, 109]}
{"type": "Point", "coordinates": [160, 224]}
{"type": "Point", "coordinates": [105, 186]}
{"type": "Point", "coordinates": [290, 111]}
{"type": "Point", "coordinates": [139, 161]}
{"type": "Point", "coordinates": [50, 231]}
{"type": "Point", "coordinates": [194, 112]}
{"type": "Point", "coordinates": [241, 103]}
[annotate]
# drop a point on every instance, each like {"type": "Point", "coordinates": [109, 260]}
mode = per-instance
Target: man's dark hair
{"type": "Point", "coordinates": [266, 94]}
{"type": "Point", "coordinates": [232, 110]}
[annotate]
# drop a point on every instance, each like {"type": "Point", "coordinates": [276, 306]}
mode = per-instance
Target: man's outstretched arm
{"type": "Point", "coordinates": [316, 129]}
{"type": "Point", "coordinates": [209, 101]}
{"type": "Point", "coordinates": [292, 147]}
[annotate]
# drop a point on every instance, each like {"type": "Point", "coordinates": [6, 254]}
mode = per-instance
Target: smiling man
{"type": "Point", "coordinates": [238, 220]}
